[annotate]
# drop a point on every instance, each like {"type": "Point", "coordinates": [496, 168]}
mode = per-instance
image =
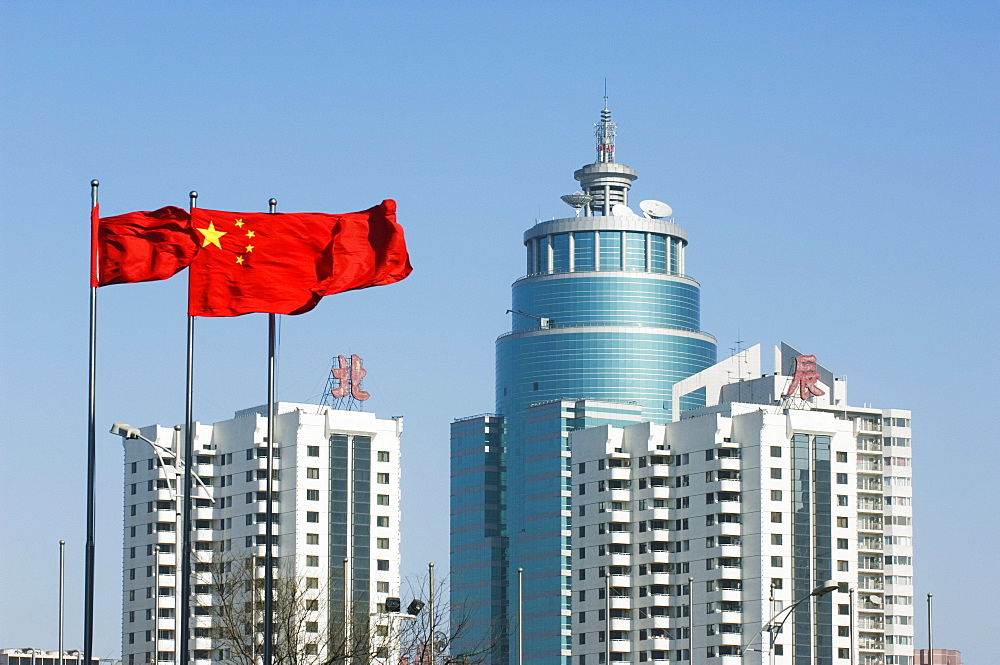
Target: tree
{"type": "Point", "coordinates": [306, 629]}
{"type": "Point", "coordinates": [442, 634]}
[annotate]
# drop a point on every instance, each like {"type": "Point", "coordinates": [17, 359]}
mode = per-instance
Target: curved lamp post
{"type": "Point", "coordinates": [775, 629]}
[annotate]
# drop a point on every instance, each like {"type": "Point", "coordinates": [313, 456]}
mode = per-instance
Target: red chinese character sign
{"type": "Point", "coordinates": [345, 382]}
{"type": "Point", "coordinates": [349, 375]}
{"type": "Point", "coordinates": [804, 379]}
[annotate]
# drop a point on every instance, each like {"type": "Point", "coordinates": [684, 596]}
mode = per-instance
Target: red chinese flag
{"type": "Point", "coordinates": [141, 246]}
{"type": "Point", "coordinates": [286, 262]}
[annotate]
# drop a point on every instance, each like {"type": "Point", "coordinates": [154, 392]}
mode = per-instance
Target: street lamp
{"type": "Point", "coordinates": [821, 590]}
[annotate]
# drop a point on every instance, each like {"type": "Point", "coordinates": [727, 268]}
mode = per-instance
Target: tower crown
{"type": "Point", "coordinates": [605, 131]}
{"type": "Point", "coordinates": [605, 180]}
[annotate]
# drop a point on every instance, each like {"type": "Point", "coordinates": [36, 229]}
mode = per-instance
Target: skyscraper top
{"type": "Point", "coordinates": [605, 131]}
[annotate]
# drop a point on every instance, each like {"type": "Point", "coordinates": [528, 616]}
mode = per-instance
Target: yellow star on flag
{"type": "Point", "coordinates": [249, 248]}
{"type": "Point", "coordinates": [249, 234]}
{"type": "Point", "coordinates": [212, 235]}
{"type": "Point", "coordinates": [239, 260]}
{"type": "Point", "coordinates": [239, 223]}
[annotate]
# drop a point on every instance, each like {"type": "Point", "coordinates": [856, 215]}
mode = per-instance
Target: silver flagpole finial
{"type": "Point", "coordinates": [272, 202]}
{"type": "Point", "coordinates": [193, 194]}
{"type": "Point", "coordinates": [95, 183]}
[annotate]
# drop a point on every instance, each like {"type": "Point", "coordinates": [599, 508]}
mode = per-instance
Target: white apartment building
{"type": "Point", "coordinates": [688, 537]}
{"type": "Point", "coordinates": [336, 509]}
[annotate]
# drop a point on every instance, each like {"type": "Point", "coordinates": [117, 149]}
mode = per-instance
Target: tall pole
{"type": "Point", "coordinates": [520, 616]}
{"type": "Point", "coordinates": [62, 591]}
{"type": "Point", "coordinates": [347, 605]}
{"type": "Point", "coordinates": [269, 528]}
{"type": "Point", "coordinates": [88, 582]}
{"type": "Point", "coordinates": [185, 539]}
{"type": "Point", "coordinates": [430, 613]}
{"type": "Point", "coordinates": [850, 595]}
{"type": "Point", "coordinates": [930, 629]}
{"type": "Point", "coordinates": [607, 616]}
{"type": "Point", "coordinates": [691, 619]}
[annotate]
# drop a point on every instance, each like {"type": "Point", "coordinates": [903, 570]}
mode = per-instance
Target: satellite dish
{"type": "Point", "coordinates": [655, 209]}
{"type": "Point", "coordinates": [577, 200]}
{"type": "Point", "coordinates": [621, 210]}
{"type": "Point", "coordinates": [874, 600]}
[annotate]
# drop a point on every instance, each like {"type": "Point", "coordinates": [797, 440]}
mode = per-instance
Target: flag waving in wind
{"type": "Point", "coordinates": [141, 246]}
{"type": "Point", "coordinates": [281, 263]}
{"type": "Point", "coordinates": [284, 263]}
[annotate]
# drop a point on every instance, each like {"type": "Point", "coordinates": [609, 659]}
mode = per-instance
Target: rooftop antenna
{"type": "Point", "coordinates": [606, 132]}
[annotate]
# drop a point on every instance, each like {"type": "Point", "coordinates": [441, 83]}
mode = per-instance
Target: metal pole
{"type": "Point", "coordinates": [347, 612]}
{"type": "Point", "coordinates": [184, 542]}
{"type": "Point", "coordinates": [62, 590]}
{"type": "Point", "coordinates": [269, 528]}
{"type": "Point", "coordinates": [930, 629]}
{"type": "Point", "coordinates": [850, 595]}
{"type": "Point", "coordinates": [520, 616]}
{"type": "Point", "coordinates": [156, 604]}
{"type": "Point", "coordinates": [691, 619]}
{"type": "Point", "coordinates": [607, 616]}
{"type": "Point", "coordinates": [88, 583]}
{"type": "Point", "coordinates": [430, 612]}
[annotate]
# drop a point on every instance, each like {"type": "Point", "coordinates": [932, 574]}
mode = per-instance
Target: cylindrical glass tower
{"type": "Point", "coordinates": [607, 313]}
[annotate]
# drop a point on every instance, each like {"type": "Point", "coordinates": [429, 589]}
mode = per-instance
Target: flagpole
{"type": "Point", "coordinates": [185, 586]}
{"type": "Point", "coordinates": [88, 594]}
{"type": "Point", "coordinates": [268, 548]}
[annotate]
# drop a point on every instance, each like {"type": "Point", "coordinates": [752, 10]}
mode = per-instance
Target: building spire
{"type": "Point", "coordinates": [606, 130]}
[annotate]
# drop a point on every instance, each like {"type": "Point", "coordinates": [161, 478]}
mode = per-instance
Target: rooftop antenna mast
{"type": "Point", "coordinates": [606, 130]}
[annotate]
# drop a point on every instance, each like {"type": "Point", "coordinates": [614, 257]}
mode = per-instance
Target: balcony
{"type": "Point", "coordinates": [871, 644]}
{"type": "Point", "coordinates": [871, 624]}
{"type": "Point", "coordinates": [870, 544]}
{"type": "Point", "coordinates": [867, 425]}
{"type": "Point", "coordinates": [870, 485]}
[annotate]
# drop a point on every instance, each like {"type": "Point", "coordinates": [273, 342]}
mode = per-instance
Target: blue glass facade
{"type": "Point", "coordinates": [605, 322]}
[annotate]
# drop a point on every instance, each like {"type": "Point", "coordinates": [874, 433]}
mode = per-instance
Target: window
{"type": "Point", "coordinates": [775, 538]}
{"type": "Point", "coordinates": [776, 474]}
{"type": "Point", "coordinates": [843, 566]}
{"type": "Point", "coordinates": [841, 500]}
{"type": "Point", "coordinates": [775, 495]}
{"type": "Point", "coordinates": [311, 451]}
{"type": "Point", "coordinates": [312, 495]}
{"type": "Point", "coordinates": [383, 456]}
{"type": "Point", "coordinates": [776, 583]}
{"type": "Point", "coordinates": [312, 626]}
{"type": "Point", "coordinates": [843, 653]}
{"type": "Point", "coordinates": [382, 543]}
{"type": "Point", "coordinates": [581, 467]}
{"type": "Point", "coordinates": [312, 560]}
{"type": "Point", "coordinates": [841, 478]}
{"type": "Point", "coordinates": [382, 587]}
{"type": "Point", "coordinates": [383, 564]}
{"type": "Point", "coordinates": [776, 517]}
{"type": "Point", "coordinates": [312, 582]}
{"type": "Point", "coordinates": [844, 610]}
{"type": "Point", "coordinates": [775, 451]}
{"type": "Point", "coordinates": [382, 499]}
{"type": "Point", "coordinates": [582, 511]}
{"type": "Point", "coordinates": [382, 520]}
{"type": "Point", "coordinates": [382, 478]}
{"type": "Point", "coordinates": [312, 516]}
{"type": "Point", "coordinates": [582, 489]}
{"type": "Point", "coordinates": [842, 544]}
{"type": "Point", "coordinates": [312, 539]}
{"type": "Point", "coordinates": [777, 562]}
{"type": "Point", "coordinates": [842, 522]}
{"type": "Point", "coordinates": [312, 473]}
{"type": "Point", "coordinates": [841, 457]}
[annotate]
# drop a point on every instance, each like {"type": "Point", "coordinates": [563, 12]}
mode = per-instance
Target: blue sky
{"type": "Point", "coordinates": [835, 164]}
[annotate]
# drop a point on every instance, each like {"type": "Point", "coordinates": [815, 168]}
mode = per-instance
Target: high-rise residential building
{"type": "Point", "coordinates": [690, 536]}
{"type": "Point", "coordinates": [605, 312]}
{"type": "Point", "coordinates": [605, 334]}
{"type": "Point", "coordinates": [336, 511]}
